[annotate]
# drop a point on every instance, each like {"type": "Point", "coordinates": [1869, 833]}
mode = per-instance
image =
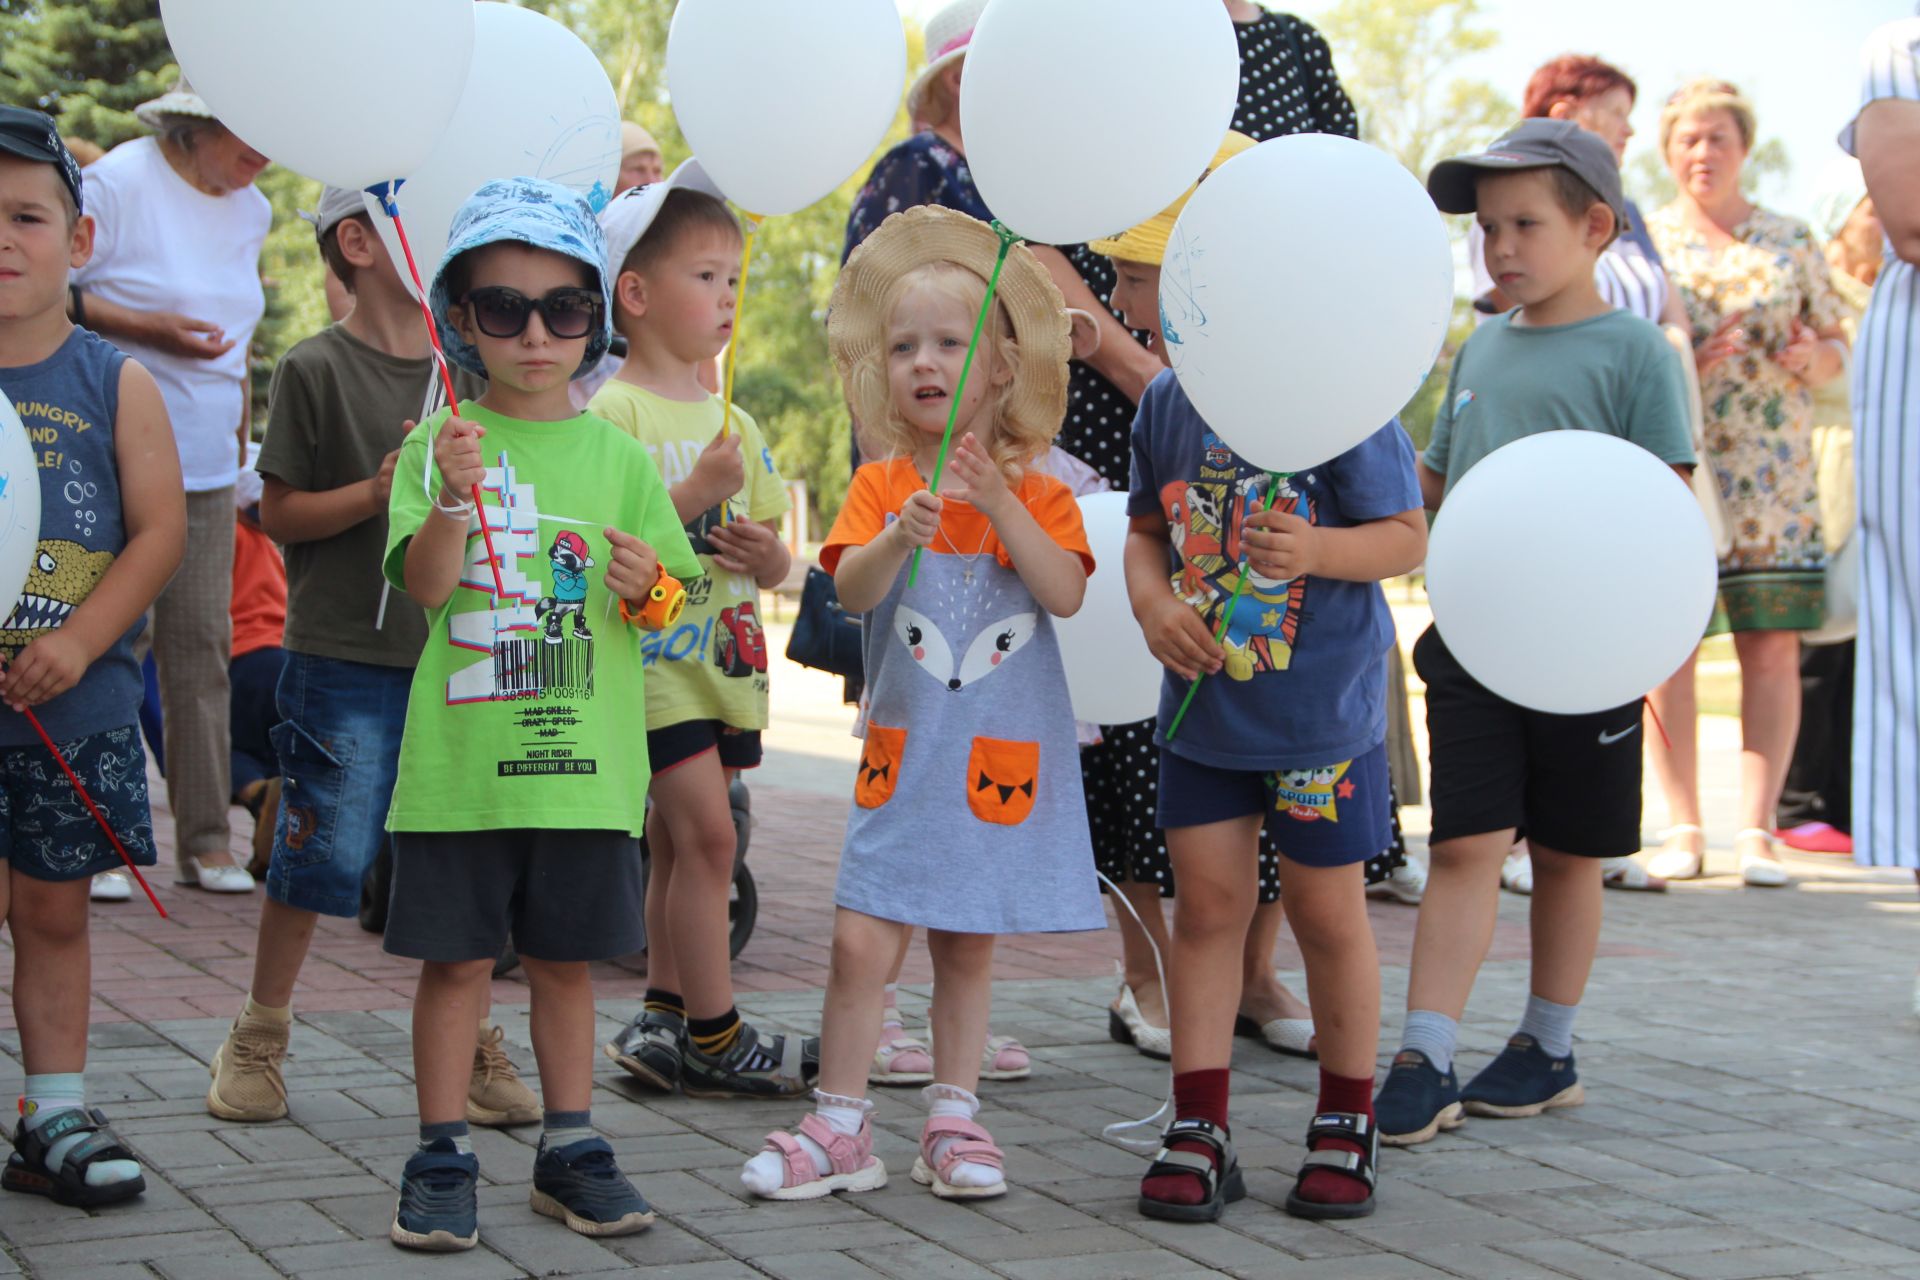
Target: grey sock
{"type": "Point", "coordinates": [1550, 1024]}
{"type": "Point", "coordinates": [454, 1130]}
{"type": "Point", "coordinates": [1433, 1034]}
{"type": "Point", "coordinates": [563, 1128]}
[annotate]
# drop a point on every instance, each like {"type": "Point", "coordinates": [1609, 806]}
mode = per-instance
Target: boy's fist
{"type": "Point", "coordinates": [632, 567]}
{"type": "Point", "coordinates": [920, 518]}
{"type": "Point", "coordinates": [1179, 639]}
{"type": "Point", "coordinates": [1281, 545]}
{"type": "Point", "coordinates": [720, 472]}
{"type": "Point", "coordinates": [45, 669]}
{"type": "Point", "coordinates": [456, 451]}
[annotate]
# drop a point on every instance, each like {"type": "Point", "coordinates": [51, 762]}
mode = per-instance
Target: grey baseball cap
{"type": "Point", "coordinates": [335, 203]}
{"type": "Point", "coordinates": [1533, 144]}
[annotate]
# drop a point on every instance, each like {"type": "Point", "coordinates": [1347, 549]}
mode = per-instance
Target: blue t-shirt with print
{"type": "Point", "coordinates": [1305, 682]}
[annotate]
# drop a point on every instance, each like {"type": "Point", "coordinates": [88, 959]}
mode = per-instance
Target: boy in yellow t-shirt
{"type": "Point", "coordinates": [673, 251]}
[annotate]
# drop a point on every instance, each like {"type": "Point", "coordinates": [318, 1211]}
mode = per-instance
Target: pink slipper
{"type": "Point", "coordinates": [973, 1145]}
{"type": "Point", "coordinates": [1817, 837]}
{"type": "Point", "coordinates": [854, 1166]}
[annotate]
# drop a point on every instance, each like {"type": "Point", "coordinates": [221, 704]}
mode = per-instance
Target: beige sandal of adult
{"type": "Point", "coordinates": [1674, 861]}
{"type": "Point", "coordinates": [1759, 868]}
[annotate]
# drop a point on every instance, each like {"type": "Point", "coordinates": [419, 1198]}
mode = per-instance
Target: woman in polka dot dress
{"type": "Point", "coordinates": [1287, 86]}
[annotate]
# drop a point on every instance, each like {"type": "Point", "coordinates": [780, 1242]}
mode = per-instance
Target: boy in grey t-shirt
{"type": "Point", "coordinates": [1547, 196]}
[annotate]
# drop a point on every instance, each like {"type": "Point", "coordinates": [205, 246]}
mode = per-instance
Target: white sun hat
{"type": "Point", "coordinates": [948, 32]}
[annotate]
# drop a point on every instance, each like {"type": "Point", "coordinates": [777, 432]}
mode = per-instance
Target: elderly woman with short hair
{"type": "Point", "coordinates": [175, 281]}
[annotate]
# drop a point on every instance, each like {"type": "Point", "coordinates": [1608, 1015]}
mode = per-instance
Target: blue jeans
{"type": "Point", "coordinates": [339, 747]}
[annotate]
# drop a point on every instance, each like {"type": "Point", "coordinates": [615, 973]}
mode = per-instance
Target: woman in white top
{"type": "Point", "coordinates": [175, 282]}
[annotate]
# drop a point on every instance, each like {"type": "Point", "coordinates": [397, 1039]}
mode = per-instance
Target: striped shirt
{"type": "Point", "coordinates": [1886, 407]}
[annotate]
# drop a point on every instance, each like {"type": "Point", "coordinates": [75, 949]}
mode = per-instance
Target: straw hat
{"type": "Point", "coordinates": [857, 323]}
{"type": "Point", "coordinates": [948, 32]}
{"type": "Point", "coordinates": [180, 100]}
{"type": "Point", "coordinates": [1147, 243]}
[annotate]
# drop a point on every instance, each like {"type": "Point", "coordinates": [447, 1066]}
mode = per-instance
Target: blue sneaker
{"type": "Point", "coordinates": [1416, 1102]}
{"type": "Point", "coordinates": [1523, 1081]}
{"type": "Point", "coordinates": [438, 1209]}
{"type": "Point", "coordinates": [581, 1185]}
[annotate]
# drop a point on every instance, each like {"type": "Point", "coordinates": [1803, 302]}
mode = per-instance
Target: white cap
{"type": "Point", "coordinates": [629, 214]}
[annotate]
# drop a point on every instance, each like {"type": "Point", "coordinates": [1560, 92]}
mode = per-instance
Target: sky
{"type": "Point", "coordinates": [1796, 60]}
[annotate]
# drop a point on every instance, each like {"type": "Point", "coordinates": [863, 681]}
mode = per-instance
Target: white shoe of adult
{"type": "Point", "coordinates": [111, 886]}
{"type": "Point", "coordinates": [1406, 883]}
{"type": "Point", "coordinates": [1516, 873]}
{"type": "Point", "coordinates": [1127, 1025]}
{"type": "Point", "coordinates": [1759, 868]}
{"type": "Point", "coordinates": [215, 879]}
{"type": "Point", "coordinates": [1676, 861]}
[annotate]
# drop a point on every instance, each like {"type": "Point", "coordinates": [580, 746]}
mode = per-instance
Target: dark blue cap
{"type": "Point", "coordinates": [32, 135]}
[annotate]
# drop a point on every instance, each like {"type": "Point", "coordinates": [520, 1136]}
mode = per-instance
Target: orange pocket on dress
{"type": "Point", "coordinates": [1001, 780]}
{"type": "Point", "coordinates": [879, 765]}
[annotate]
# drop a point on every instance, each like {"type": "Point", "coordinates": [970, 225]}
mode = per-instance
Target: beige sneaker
{"type": "Point", "coordinates": [247, 1084]}
{"type": "Point", "coordinates": [497, 1096]}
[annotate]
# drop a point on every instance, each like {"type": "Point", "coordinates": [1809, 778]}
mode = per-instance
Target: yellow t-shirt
{"type": "Point", "coordinates": [712, 663]}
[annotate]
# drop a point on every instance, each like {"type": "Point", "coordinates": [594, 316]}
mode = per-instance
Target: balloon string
{"type": "Point", "coordinates": [739, 302]}
{"type": "Point", "coordinates": [1274, 479]}
{"type": "Point", "coordinates": [1155, 1124]}
{"type": "Point", "coordinates": [92, 808]}
{"type": "Point", "coordinates": [1007, 241]}
{"type": "Point", "coordinates": [384, 194]}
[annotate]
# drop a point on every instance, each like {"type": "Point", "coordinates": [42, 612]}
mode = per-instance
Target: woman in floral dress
{"type": "Point", "coordinates": [1767, 330]}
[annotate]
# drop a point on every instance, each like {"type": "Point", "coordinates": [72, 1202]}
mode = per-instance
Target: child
{"type": "Point", "coordinates": [340, 402]}
{"type": "Point", "coordinates": [673, 253]}
{"type": "Point", "coordinates": [521, 785]}
{"type": "Point", "coordinates": [1548, 198]}
{"type": "Point", "coordinates": [967, 816]}
{"type": "Point", "coordinates": [92, 415]}
{"type": "Point", "coordinates": [1288, 735]}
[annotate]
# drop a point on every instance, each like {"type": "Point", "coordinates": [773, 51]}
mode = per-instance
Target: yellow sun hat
{"type": "Point", "coordinates": [1147, 243]}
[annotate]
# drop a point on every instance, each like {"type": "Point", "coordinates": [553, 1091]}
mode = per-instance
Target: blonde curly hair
{"type": "Point", "coordinates": [1698, 97]}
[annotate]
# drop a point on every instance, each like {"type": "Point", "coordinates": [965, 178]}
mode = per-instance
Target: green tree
{"type": "Point", "coordinates": [87, 64]}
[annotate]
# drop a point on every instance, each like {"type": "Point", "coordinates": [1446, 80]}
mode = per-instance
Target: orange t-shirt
{"type": "Point", "coordinates": [259, 608]}
{"type": "Point", "coordinates": [880, 489]}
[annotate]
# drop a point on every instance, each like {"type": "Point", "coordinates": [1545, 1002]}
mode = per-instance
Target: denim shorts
{"type": "Point", "coordinates": [46, 831]}
{"type": "Point", "coordinates": [338, 741]}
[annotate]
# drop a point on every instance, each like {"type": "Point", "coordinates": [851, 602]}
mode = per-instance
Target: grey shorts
{"type": "Point", "coordinates": [560, 895]}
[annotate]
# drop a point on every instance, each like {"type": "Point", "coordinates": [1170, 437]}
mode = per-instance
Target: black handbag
{"type": "Point", "coordinates": [825, 636]}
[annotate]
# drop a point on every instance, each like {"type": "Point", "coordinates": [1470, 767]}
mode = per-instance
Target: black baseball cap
{"type": "Point", "coordinates": [32, 135]}
{"type": "Point", "coordinates": [1538, 143]}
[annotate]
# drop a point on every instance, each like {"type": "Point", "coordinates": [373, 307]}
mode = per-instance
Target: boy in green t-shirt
{"type": "Point", "coordinates": [516, 811]}
{"type": "Point", "coordinates": [674, 255]}
{"type": "Point", "coordinates": [1548, 197]}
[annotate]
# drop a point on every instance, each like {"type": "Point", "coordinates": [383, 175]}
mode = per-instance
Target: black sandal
{"type": "Point", "coordinates": [1219, 1174]}
{"type": "Point", "coordinates": [1350, 1127]}
{"type": "Point", "coordinates": [27, 1167]}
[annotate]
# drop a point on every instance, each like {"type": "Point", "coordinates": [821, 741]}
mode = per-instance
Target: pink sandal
{"type": "Point", "coordinates": [855, 1167]}
{"type": "Point", "coordinates": [1004, 1059]}
{"type": "Point", "coordinates": [974, 1145]}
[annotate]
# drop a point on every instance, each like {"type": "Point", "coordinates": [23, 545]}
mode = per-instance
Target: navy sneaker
{"type": "Point", "coordinates": [438, 1209]}
{"type": "Point", "coordinates": [581, 1185]}
{"type": "Point", "coordinates": [1523, 1081]}
{"type": "Point", "coordinates": [1417, 1101]}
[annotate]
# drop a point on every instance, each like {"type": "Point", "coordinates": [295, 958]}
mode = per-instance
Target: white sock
{"type": "Point", "coordinates": [46, 1097]}
{"type": "Point", "coordinates": [950, 1100]}
{"type": "Point", "coordinates": [766, 1173]}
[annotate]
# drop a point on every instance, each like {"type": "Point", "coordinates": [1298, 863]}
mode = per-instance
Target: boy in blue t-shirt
{"type": "Point", "coordinates": [1548, 198]}
{"type": "Point", "coordinates": [113, 525]}
{"type": "Point", "coordinates": [1288, 731]}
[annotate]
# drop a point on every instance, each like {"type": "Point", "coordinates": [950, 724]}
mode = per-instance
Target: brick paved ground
{"type": "Point", "coordinates": [1749, 1057]}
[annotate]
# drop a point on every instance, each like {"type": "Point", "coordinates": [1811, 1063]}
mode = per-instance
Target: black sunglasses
{"type": "Point", "coordinates": [500, 312]}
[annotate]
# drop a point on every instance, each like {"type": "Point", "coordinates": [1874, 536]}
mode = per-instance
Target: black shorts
{"type": "Point", "coordinates": [560, 895]}
{"type": "Point", "coordinates": [678, 743]}
{"type": "Point", "coordinates": [1570, 783]}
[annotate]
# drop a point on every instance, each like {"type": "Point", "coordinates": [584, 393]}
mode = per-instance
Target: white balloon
{"type": "Point", "coordinates": [1307, 290]}
{"type": "Point", "coordinates": [349, 92]}
{"type": "Point", "coordinates": [537, 105]}
{"type": "Point", "coordinates": [1571, 571]}
{"type": "Point", "coordinates": [1161, 78]}
{"type": "Point", "coordinates": [784, 100]}
{"type": "Point", "coordinates": [1111, 675]}
{"type": "Point", "coordinates": [19, 506]}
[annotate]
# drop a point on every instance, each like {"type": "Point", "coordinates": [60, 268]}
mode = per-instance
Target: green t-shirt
{"type": "Point", "coordinates": [526, 712]}
{"type": "Point", "coordinates": [1614, 373]}
{"type": "Point", "coordinates": [712, 664]}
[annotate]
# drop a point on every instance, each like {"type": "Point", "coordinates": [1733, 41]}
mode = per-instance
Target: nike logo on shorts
{"type": "Point", "coordinates": [1608, 739]}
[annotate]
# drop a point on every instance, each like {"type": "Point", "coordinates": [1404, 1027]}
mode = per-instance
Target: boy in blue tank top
{"type": "Point", "coordinates": [113, 525]}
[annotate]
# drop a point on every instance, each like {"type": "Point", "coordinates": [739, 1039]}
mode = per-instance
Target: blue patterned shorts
{"type": "Point", "coordinates": [46, 830]}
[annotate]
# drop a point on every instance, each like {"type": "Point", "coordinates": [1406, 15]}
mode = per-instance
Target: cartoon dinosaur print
{"type": "Point", "coordinates": [62, 575]}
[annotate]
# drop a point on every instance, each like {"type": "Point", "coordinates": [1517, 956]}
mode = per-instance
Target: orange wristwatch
{"type": "Point", "coordinates": [661, 609]}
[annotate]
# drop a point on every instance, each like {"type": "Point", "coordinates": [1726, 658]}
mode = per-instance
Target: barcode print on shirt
{"type": "Point", "coordinates": [529, 668]}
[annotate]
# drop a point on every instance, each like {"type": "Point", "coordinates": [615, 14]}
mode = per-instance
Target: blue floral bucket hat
{"type": "Point", "coordinates": [529, 211]}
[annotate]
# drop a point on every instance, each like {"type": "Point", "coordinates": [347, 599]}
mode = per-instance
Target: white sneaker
{"type": "Point", "coordinates": [1407, 883]}
{"type": "Point", "coordinates": [111, 886]}
{"type": "Point", "coordinates": [1516, 873]}
{"type": "Point", "coordinates": [214, 879]}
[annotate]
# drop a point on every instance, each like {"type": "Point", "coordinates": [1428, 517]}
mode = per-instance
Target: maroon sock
{"type": "Point", "coordinates": [1197, 1095]}
{"type": "Point", "coordinates": [1354, 1096]}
